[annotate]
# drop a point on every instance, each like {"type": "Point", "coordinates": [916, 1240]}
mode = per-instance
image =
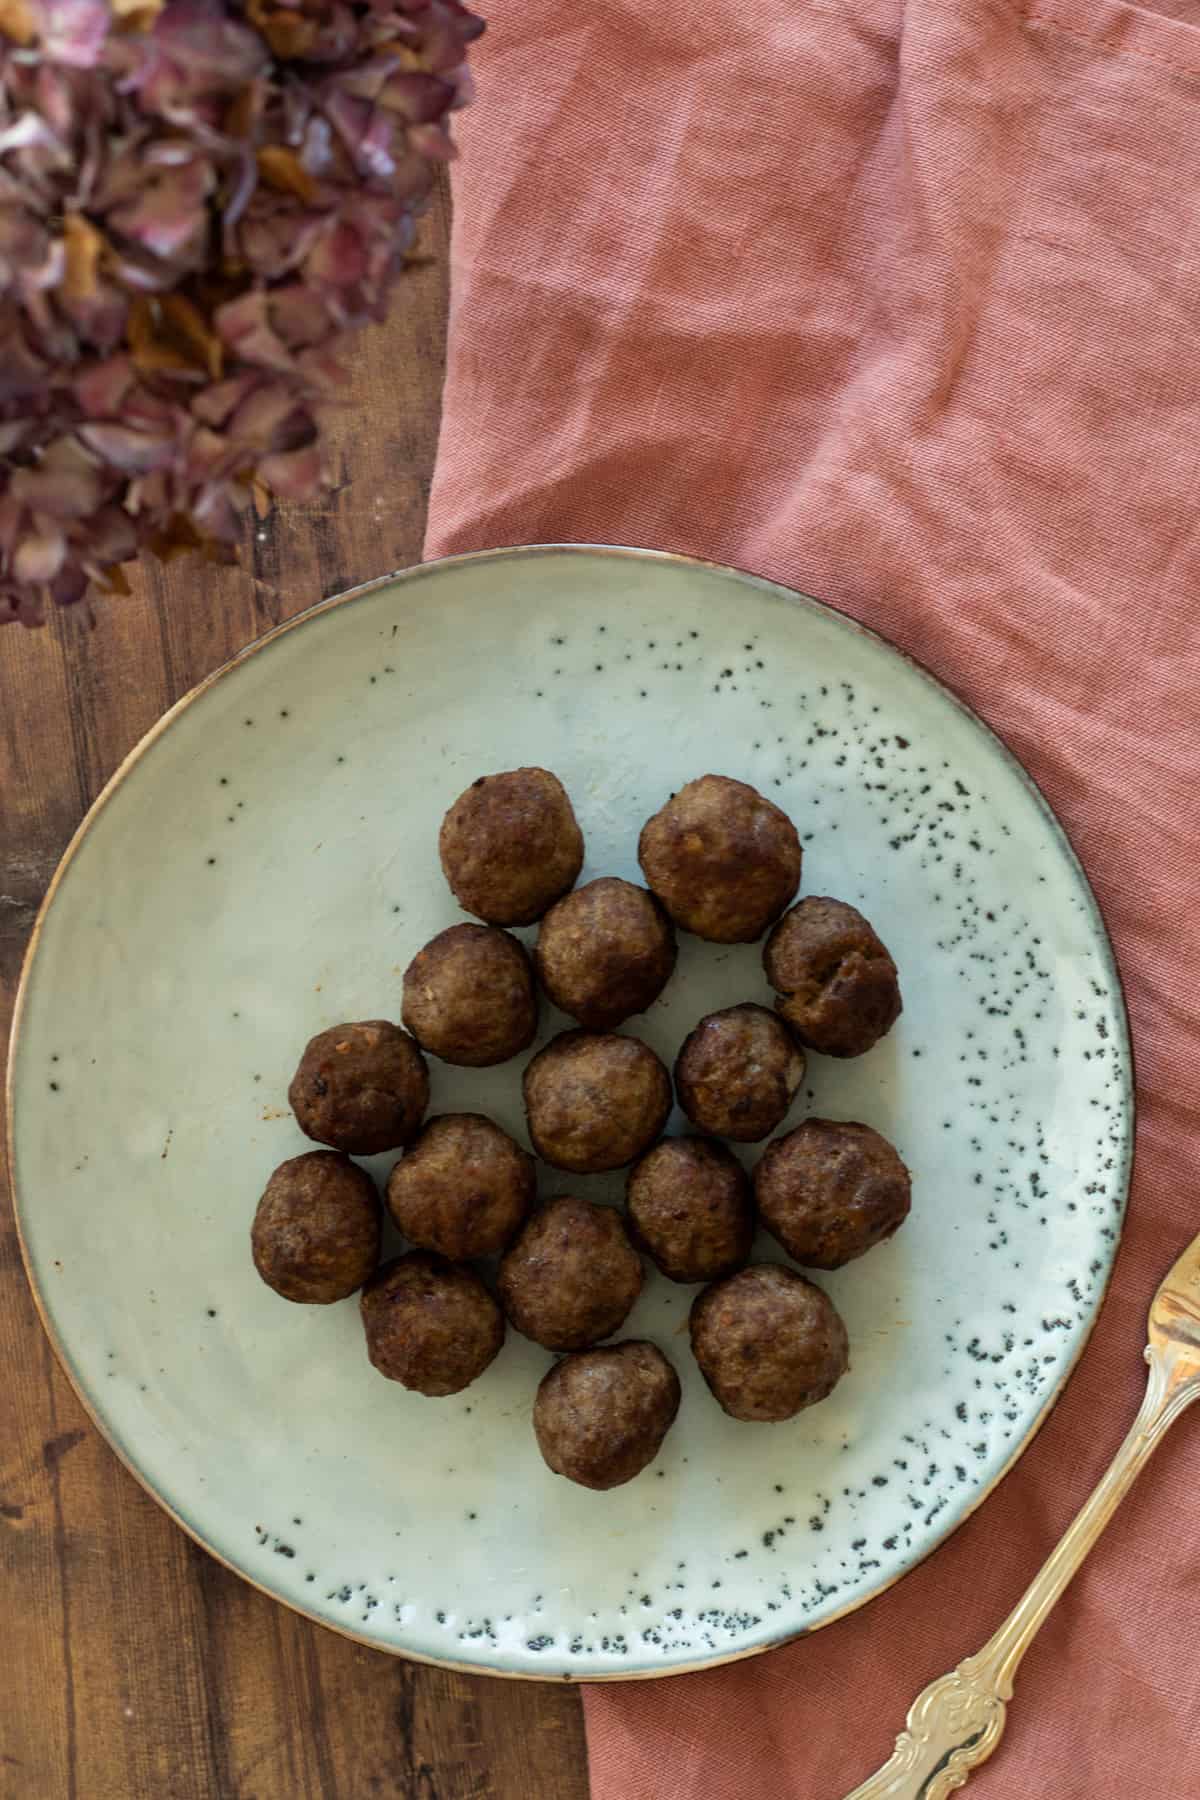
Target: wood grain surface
{"type": "Point", "coordinates": [131, 1664]}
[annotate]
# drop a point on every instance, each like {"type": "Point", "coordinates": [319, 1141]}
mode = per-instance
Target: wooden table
{"type": "Point", "coordinates": [132, 1664]}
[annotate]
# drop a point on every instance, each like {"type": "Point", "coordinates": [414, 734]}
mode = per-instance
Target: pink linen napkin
{"type": "Point", "coordinates": [898, 302]}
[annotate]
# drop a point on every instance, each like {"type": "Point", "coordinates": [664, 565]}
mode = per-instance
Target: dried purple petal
{"type": "Point", "coordinates": [245, 325]}
{"type": "Point", "coordinates": [268, 420]}
{"type": "Point", "coordinates": [67, 483]}
{"type": "Point", "coordinates": [216, 513]}
{"type": "Point", "coordinates": [67, 589]}
{"type": "Point", "coordinates": [207, 49]}
{"type": "Point", "coordinates": [73, 31]}
{"type": "Point", "coordinates": [432, 141]}
{"type": "Point", "coordinates": [169, 217]}
{"type": "Point", "coordinates": [29, 132]}
{"type": "Point", "coordinates": [296, 474]}
{"type": "Point", "coordinates": [39, 556]}
{"type": "Point", "coordinates": [299, 316]}
{"type": "Point", "coordinates": [198, 200]}
{"type": "Point", "coordinates": [216, 403]}
{"type": "Point", "coordinates": [22, 372]}
{"type": "Point", "coordinates": [110, 539]}
{"type": "Point", "coordinates": [133, 452]}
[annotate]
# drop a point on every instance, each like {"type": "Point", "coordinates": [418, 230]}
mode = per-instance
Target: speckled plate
{"type": "Point", "coordinates": [265, 864]}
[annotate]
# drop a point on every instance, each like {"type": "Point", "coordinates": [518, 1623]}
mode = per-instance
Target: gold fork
{"type": "Point", "coordinates": [956, 1722]}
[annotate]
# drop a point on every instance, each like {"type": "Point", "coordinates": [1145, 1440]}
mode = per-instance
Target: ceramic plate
{"type": "Point", "coordinates": [265, 865]}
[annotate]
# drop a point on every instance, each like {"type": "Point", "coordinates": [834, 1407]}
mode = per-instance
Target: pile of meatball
{"type": "Point", "coordinates": [722, 862]}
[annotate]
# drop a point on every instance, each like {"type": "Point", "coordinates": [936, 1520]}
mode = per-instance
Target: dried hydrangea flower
{"type": "Point", "coordinates": [197, 202]}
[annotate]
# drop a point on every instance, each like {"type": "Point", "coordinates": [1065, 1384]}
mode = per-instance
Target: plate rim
{"type": "Point", "coordinates": [414, 573]}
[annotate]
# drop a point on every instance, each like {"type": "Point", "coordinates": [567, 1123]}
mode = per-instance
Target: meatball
{"type": "Point", "coordinates": [510, 846]}
{"type": "Point", "coordinates": [595, 1102]}
{"type": "Point", "coordinates": [430, 1325]}
{"type": "Point", "coordinates": [362, 1088]}
{"type": "Point", "coordinates": [572, 1276]}
{"type": "Point", "coordinates": [690, 1209]}
{"type": "Point", "coordinates": [316, 1233]}
{"type": "Point", "coordinates": [469, 996]}
{"type": "Point", "coordinates": [768, 1342]}
{"type": "Point", "coordinates": [600, 1416]}
{"type": "Point", "coordinates": [828, 1191]}
{"type": "Point", "coordinates": [722, 859]}
{"type": "Point", "coordinates": [605, 952]}
{"type": "Point", "coordinates": [835, 983]}
{"type": "Point", "coordinates": [738, 1073]}
{"type": "Point", "coordinates": [463, 1189]}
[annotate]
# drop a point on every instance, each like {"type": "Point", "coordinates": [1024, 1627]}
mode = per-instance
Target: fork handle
{"type": "Point", "coordinates": [956, 1722]}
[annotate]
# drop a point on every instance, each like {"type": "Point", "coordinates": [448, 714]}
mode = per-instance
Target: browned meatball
{"type": "Point", "coordinates": [595, 1102]}
{"type": "Point", "coordinates": [690, 1209]}
{"type": "Point", "coordinates": [430, 1325]}
{"type": "Point", "coordinates": [362, 1088]}
{"type": "Point", "coordinates": [722, 859]}
{"type": "Point", "coordinates": [738, 1073]}
{"type": "Point", "coordinates": [600, 1416]}
{"type": "Point", "coordinates": [605, 952]}
{"type": "Point", "coordinates": [469, 996]}
{"type": "Point", "coordinates": [828, 1191]}
{"type": "Point", "coordinates": [316, 1233]}
{"type": "Point", "coordinates": [768, 1342]}
{"type": "Point", "coordinates": [572, 1276]}
{"type": "Point", "coordinates": [463, 1189]}
{"type": "Point", "coordinates": [835, 983]}
{"type": "Point", "coordinates": [510, 846]}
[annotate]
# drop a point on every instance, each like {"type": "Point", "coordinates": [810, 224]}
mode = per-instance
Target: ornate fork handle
{"type": "Point", "coordinates": [953, 1725]}
{"type": "Point", "coordinates": [956, 1722]}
